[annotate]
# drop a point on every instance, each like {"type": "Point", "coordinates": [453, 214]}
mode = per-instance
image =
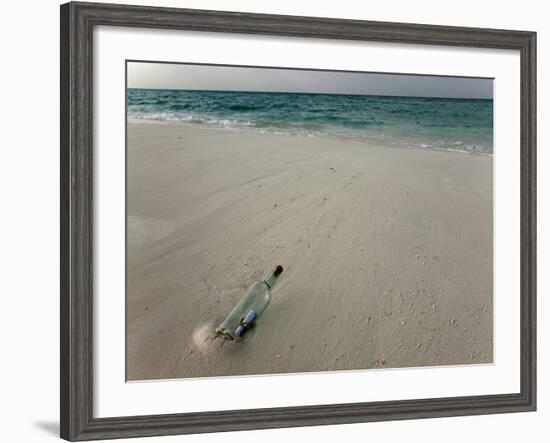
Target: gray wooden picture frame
{"type": "Point", "coordinates": [77, 23]}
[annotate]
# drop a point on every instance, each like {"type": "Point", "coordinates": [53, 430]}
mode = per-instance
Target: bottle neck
{"type": "Point", "coordinates": [271, 279]}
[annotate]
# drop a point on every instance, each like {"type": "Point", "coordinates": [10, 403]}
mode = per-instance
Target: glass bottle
{"type": "Point", "coordinates": [249, 308]}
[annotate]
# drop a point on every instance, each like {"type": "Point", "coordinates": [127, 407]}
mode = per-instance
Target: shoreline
{"type": "Point", "coordinates": [264, 131]}
{"type": "Point", "coordinates": [387, 253]}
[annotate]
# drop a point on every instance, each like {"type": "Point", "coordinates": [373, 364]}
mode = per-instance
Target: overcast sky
{"type": "Point", "coordinates": [229, 78]}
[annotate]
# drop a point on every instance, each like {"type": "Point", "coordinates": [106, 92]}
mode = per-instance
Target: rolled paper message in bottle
{"type": "Point", "coordinates": [250, 307]}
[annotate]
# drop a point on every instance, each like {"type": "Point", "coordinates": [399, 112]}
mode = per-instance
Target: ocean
{"type": "Point", "coordinates": [464, 125]}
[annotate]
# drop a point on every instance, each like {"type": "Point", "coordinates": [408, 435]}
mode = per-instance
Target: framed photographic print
{"type": "Point", "coordinates": [273, 221]}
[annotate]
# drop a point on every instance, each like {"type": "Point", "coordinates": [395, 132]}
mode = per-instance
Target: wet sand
{"type": "Point", "coordinates": [387, 253]}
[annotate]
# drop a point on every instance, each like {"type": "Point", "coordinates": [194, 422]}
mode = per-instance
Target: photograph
{"type": "Point", "coordinates": [284, 220]}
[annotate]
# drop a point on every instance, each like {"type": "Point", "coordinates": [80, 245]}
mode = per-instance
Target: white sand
{"type": "Point", "coordinates": [387, 253]}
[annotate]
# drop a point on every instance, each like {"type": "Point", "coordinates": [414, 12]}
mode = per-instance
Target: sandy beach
{"type": "Point", "coordinates": [387, 253]}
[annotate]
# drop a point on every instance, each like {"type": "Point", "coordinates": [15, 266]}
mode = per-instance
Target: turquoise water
{"type": "Point", "coordinates": [429, 123]}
